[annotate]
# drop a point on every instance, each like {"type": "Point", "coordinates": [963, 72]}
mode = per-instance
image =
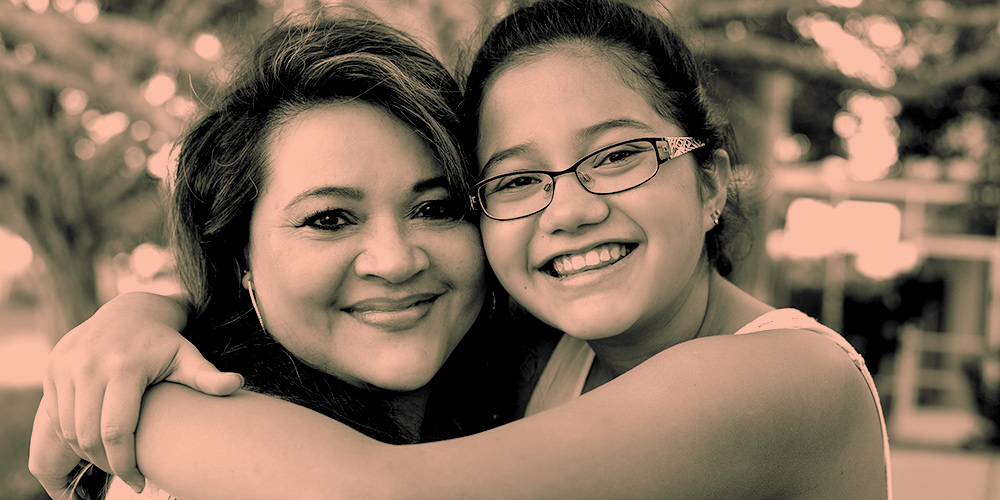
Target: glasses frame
{"type": "Point", "coordinates": [678, 146]}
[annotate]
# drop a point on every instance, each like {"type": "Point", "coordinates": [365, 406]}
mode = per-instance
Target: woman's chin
{"type": "Point", "coordinates": [405, 382]}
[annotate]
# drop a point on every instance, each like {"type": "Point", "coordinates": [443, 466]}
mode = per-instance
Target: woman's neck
{"type": "Point", "coordinates": [408, 410]}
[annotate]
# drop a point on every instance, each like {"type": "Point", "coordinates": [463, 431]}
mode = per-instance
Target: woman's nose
{"type": "Point", "coordinates": [390, 254]}
{"type": "Point", "coordinates": [572, 207]}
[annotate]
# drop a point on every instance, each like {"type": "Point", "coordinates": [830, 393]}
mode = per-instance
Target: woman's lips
{"type": "Point", "coordinates": [393, 314]}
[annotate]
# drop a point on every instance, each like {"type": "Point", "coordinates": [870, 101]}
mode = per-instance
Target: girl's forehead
{"type": "Point", "coordinates": [577, 102]}
{"type": "Point", "coordinates": [562, 84]}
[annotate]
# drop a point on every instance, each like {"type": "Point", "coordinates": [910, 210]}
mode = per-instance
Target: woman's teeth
{"type": "Point", "coordinates": [595, 258]}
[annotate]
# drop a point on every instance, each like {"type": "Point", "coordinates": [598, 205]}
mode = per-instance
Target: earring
{"type": "Point", "coordinates": [248, 284]}
{"type": "Point", "coordinates": [715, 216]}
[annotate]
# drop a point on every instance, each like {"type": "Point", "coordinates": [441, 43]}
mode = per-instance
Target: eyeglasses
{"type": "Point", "coordinates": [613, 169]}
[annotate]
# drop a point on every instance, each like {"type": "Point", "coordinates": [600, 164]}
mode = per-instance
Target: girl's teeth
{"type": "Point", "coordinates": [560, 267]}
{"type": "Point", "coordinates": [593, 258]}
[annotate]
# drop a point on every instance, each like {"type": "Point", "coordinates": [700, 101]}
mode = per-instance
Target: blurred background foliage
{"type": "Point", "coordinates": [93, 95]}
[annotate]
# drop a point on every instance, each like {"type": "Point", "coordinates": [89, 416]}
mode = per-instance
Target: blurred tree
{"type": "Point", "coordinates": [89, 103]}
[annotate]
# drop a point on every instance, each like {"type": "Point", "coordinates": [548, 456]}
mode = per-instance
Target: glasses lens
{"type": "Point", "coordinates": [516, 195]}
{"type": "Point", "coordinates": [618, 168]}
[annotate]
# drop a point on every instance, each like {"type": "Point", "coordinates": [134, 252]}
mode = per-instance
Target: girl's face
{"type": "Point", "coordinates": [590, 265]}
{"type": "Point", "coordinates": [360, 263]}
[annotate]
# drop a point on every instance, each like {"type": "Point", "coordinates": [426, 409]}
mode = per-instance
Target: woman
{"type": "Point", "coordinates": [319, 213]}
{"type": "Point", "coordinates": [694, 389]}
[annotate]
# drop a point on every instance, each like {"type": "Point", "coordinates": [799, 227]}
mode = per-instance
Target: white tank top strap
{"type": "Point", "coordinates": [564, 375]}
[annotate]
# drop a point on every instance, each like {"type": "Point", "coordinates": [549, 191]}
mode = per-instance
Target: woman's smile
{"type": "Point", "coordinates": [394, 314]}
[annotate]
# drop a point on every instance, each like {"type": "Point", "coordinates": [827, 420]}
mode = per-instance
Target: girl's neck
{"type": "Point", "coordinates": [714, 306]}
{"type": "Point", "coordinates": [619, 353]}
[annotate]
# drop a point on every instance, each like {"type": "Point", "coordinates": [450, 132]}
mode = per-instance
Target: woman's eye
{"type": "Point", "coordinates": [446, 209]}
{"type": "Point", "coordinates": [330, 220]}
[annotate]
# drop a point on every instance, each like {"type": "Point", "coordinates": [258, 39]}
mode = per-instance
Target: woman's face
{"type": "Point", "coordinates": [359, 264]}
{"type": "Point", "coordinates": [636, 250]}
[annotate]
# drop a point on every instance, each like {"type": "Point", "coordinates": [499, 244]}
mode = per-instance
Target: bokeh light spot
{"type": "Point", "coordinates": [73, 101]}
{"type": "Point", "coordinates": [17, 253]}
{"type": "Point", "coordinates": [84, 149]}
{"type": "Point", "coordinates": [140, 130]}
{"type": "Point", "coordinates": [25, 53]}
{"type": "Point", "coordinates": [159, 89]}
{"type": "Point", "coordinates": [207, 46]}
{"type": "Point", "coordinates": [37, 6]}
{"type": "Point", "coordinates": [86, 11]}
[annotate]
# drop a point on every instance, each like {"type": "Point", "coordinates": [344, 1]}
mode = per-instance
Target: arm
{"type": "Point", "coordinates": [678, 425]}
{"type": "Point", "coordinates": [97, 373]}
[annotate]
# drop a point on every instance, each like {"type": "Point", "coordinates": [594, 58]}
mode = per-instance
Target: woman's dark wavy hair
{"type": "Point", "coordinates": [222, 165]}
{"type": "Point", "coordinates": [650, 56]}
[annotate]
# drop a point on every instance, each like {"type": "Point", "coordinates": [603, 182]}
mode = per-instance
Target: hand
{"type": "Point", "coordinates": [51, 460]}
{"type": "Point", "coordinates": [97, 373]}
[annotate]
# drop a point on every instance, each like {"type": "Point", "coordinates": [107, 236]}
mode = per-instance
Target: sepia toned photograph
{"type": "Point", "coordinates": [500, 249]}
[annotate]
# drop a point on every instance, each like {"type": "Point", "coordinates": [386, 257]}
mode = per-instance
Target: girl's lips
{"type": "Point", "coordinates": [596, 258]}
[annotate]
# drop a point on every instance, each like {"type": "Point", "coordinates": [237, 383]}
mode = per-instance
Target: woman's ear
{"type": "Point", "coordinates": [715, 203]}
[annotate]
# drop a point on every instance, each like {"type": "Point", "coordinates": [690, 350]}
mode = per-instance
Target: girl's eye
{"type": "Point", "coordinates": [619, 156]}
{"type": "Point", "coordinates": [515, 182]}
{"type": "Point", "coordinates": [328, 220]}
{"type": "Point", "coordinates": [446, 209]}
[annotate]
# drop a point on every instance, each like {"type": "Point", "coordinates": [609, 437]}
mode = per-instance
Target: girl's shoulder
{"type": "Point", "coordinates": [803, 384]}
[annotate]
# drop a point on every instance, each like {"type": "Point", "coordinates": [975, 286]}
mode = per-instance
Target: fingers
{"type": "Point", "coordinates": [119, 417]}
{"type": "Point", "coordinates": [193, 370]}
{"type": "Point", "coordinates": [50, 460]}
{"type": "Point", "coordinates": [65, 396]}
{"type": "Point", "coordinates": [89, 399]}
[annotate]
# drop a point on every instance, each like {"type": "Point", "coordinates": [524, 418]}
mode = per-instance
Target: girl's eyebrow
{"type": "Point", "coordinates": [583, 135]}
{"type": "Point", "coordinates": [615, 123]}
{"type": "Point", "coordinates": [504, 154]}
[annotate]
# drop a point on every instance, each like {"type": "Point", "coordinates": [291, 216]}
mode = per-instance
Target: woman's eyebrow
{"type": "Point", "coordinates": [431, 184]}
{"type": "Point", "coordinates": [337, 191]}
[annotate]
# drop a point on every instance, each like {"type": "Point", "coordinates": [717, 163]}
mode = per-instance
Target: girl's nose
{"type": "Point", "coordinates": [572, 207]}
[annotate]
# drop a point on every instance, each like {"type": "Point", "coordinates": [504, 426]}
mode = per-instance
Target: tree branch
{"type": "Point", "coordinates": [809, 61]}
{"type": "Point", "coordinates": [117, 95]}
{"type": "Point", "coordinates": [713, 13]}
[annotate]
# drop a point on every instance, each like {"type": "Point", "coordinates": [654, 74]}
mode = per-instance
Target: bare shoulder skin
{"type": "Point", "coordinates": [762, 428]}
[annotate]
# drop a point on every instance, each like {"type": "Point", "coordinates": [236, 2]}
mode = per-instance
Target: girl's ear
{"type": "Point", "coordinates": [715, 203]}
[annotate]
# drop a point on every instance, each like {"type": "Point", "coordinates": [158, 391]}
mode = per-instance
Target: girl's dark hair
{"type": "Point", "coordinates": [222, 163]}
{"type": "Point", "coordinates": [650, 56]}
